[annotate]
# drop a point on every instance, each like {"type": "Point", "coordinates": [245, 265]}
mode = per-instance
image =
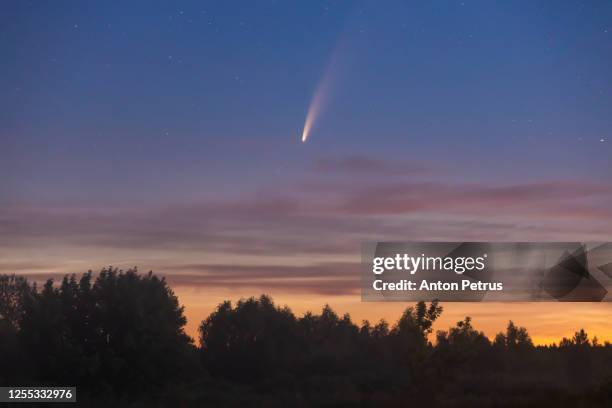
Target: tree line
{"type": "Point", "coordinates": [119, 337]}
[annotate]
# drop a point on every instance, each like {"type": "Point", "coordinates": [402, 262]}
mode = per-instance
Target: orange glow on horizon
{"type": "Point", "coordinates": [547, 323]}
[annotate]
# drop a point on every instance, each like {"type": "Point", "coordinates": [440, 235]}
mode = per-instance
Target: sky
{"type": "Point", "coordinates": [167, 135]}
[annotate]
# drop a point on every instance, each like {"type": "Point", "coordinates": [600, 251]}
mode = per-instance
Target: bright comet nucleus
{"type": "Point", "coordinates": [313, 112]}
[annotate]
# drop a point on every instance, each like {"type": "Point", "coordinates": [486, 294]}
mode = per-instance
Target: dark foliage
{"type": "Point", "coordinates": [120, 339]}
{"type": "Point", "coordinates": [120, 335]}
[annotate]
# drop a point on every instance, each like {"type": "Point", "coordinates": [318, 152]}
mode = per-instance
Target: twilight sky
{"type": "Point", "coordinates": [167, 135]}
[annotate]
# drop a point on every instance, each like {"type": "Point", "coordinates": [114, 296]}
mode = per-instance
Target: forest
{"type": "Point", "coordinates": [119, 337]}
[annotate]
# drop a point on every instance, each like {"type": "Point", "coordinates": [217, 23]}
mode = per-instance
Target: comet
{"type": "Point", "coordinates": [321, 94]}
{"type": "Point", "coordinates": [314, 110]}
{"type": "Point", "coordinates": [318, 102]}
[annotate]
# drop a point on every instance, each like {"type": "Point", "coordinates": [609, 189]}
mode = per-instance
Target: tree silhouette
{"type": "Point", "coordinates": [119, 337]}
{"type": "Point", "coordinates": [122, 334]}
{"type": "Point", "coordinates": [514, 338]}
{"type": "Point", "coordinates": [249, 341]}
{"type": "Point", "coordinates": [13, 289]}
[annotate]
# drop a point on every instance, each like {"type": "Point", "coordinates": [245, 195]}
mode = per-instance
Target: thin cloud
{"type": "Point", "coordinates": [325, 279]}
{"type": "Point", "coordinates": [245, 272]}
{"type": "Point", "coordinates": [367, 166]}
{"type": "Point", "coordinates": [324, 221]}
{"type": "Point", "coordinates": [560, 199]}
